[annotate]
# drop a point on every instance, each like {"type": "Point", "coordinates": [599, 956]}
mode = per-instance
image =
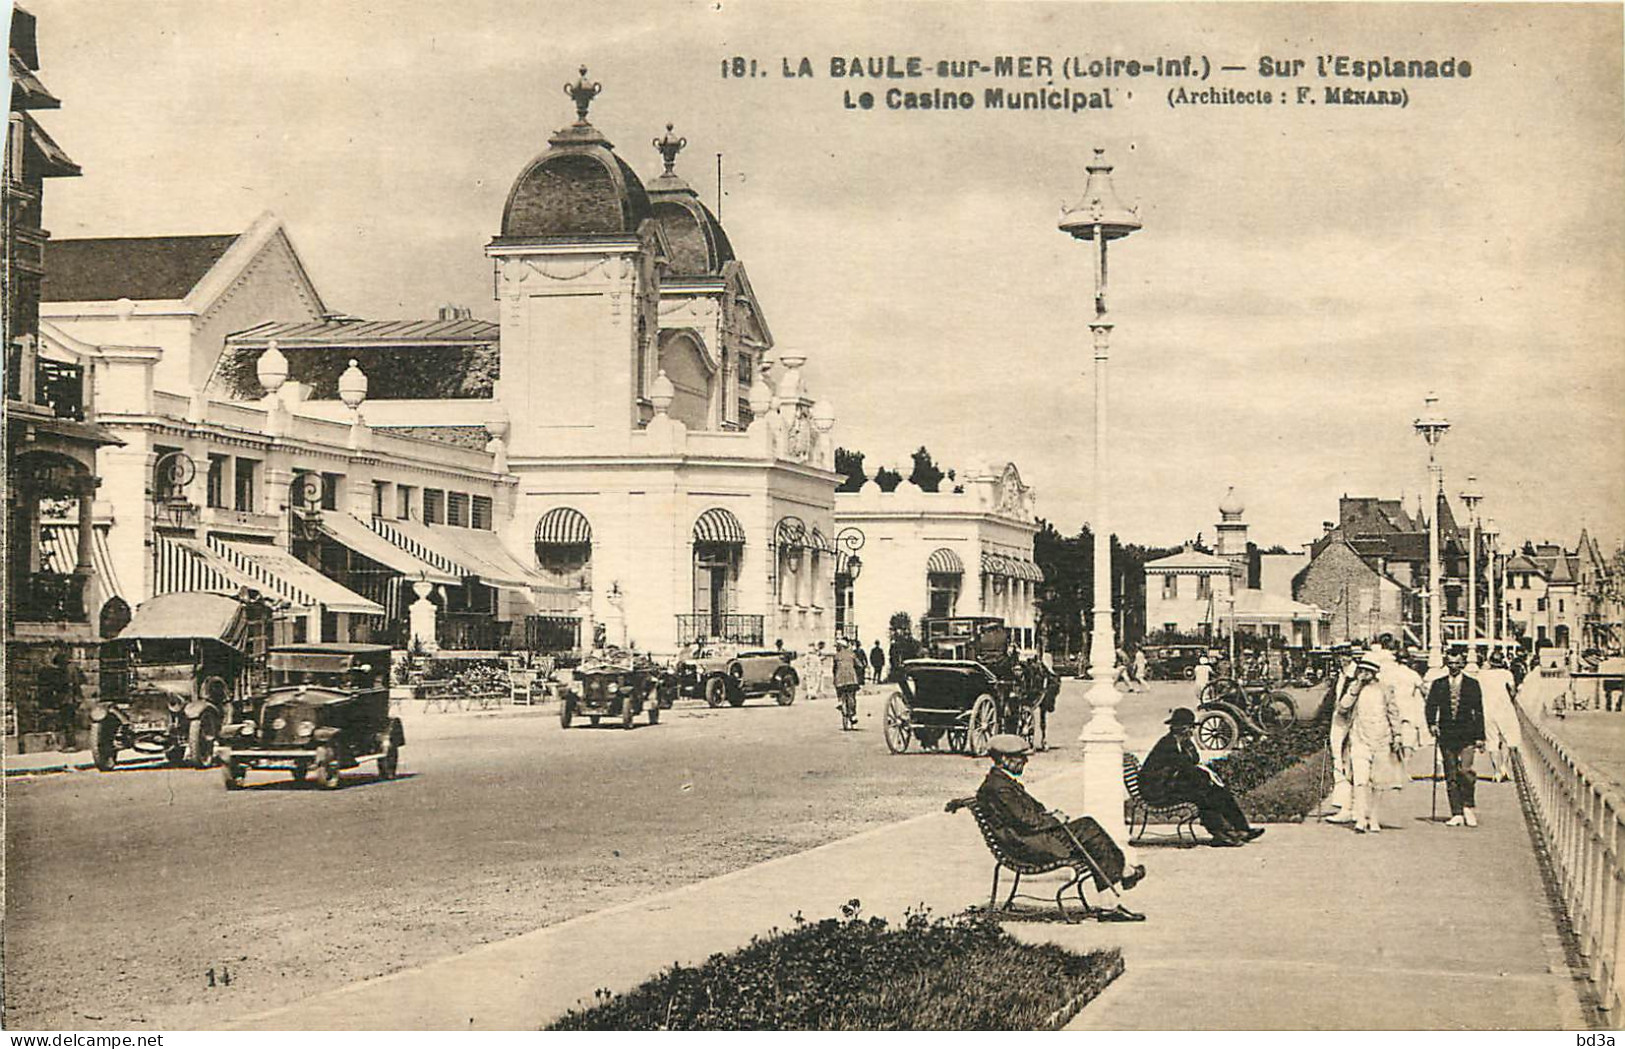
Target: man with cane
{"type": "Point", "coordinates": [1455, 713]}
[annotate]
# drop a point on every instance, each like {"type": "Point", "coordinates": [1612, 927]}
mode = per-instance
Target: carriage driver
{"type": "Point", "coordinates": [1029, 832]}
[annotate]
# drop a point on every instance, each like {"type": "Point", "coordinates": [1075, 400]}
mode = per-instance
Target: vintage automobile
{"type": "Point", "coordinates": [969, 690]}
{"type": "Point", "coordinates": [619, 685]}
{"type": "Point", "coordinates": [1172, 662]}
{"type": "Point", "coordinates": [328, 710]}
{"type": "Point", "coordinates": [184, 665]}
{"type": "Point", "coordinates": [1228, 711]}
{"type": "Point", "coordinates": [721, 673]}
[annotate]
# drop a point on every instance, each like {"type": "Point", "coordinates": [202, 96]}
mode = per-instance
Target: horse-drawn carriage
{"type": "Point", "coordinates": [969, 689]}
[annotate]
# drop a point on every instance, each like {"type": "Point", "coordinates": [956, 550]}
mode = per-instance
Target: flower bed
{"type": "Point", "coordinates": [860, 974]}
{"type": "Point", "coordinates": [1278, 778]}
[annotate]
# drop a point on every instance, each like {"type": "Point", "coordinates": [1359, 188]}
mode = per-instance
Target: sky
{"type": "Point", "coordinates": [1306, 273]}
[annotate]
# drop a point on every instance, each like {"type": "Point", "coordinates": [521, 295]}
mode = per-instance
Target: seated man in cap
{"type": "Point", "coordinates": [1172, 773]}
{"type": "Point", "coordinates": [1029, 832]}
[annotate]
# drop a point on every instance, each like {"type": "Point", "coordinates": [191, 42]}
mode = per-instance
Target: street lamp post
{"type": "Point", "coordinates": [1432, 425]}
{"type": "Point", "coordinates": [1470, 498]}
{"type": "Point", "coordinates": [1492, 535]}
{"type": "Point", "coordinates": [1100, 218]}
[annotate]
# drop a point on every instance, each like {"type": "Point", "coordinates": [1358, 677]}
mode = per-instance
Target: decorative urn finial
{"type": "Point", "coordinates": [272, 368]}
{"type": "Point", "coordinates": [669, 147]}
{"type": "Point", "coordinates": [353, 385]}
{"type": "Point", "coordinates": [583, 91]}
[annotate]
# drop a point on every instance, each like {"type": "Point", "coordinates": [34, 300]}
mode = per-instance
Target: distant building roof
{"type": "Point", "coordinates": [105, 269]}
{"type": "Point", "coordinates": [1257, 604]}
{"type": "Point", "coordinates": [350, 331]}
{"type": "Point", "coordinates": [1188, 561]}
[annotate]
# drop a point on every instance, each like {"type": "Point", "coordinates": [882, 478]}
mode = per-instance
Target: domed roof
{"type": "Point", "coordinates": [1231, 505]}
{"type": "Point", "coordinates": [579, 187]}
{"type": "Point", "coordinates": [695, 241]}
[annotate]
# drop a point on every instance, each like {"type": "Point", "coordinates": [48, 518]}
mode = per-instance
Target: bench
{"type": "Point", "coordinates": [1182, 814]}
{"type": "Point", "coordinates": [1081, 865]}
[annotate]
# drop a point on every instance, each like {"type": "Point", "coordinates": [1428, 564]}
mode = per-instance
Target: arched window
{"type": "Point", "coordinates": [719, 543]}
{"type": "Point", "coordinates": [564, 548]}
{"type": "Point", "coordinates": [944, 577]}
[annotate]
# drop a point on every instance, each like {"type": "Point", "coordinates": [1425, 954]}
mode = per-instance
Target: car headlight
{"type": "Point", "coordinates": [246, 728]}
{"type": "Point", "coordinates": [613, 688]}
{"type": "Point", "coordinates": [279, 724]}
{"type": "Point", "coordinates": [304, 729]}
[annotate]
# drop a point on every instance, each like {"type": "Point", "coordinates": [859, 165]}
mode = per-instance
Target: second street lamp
{"type": "Point", "coordinates": [1470, 498]}
{"type": "Point", "coordinates": [1432, 426]}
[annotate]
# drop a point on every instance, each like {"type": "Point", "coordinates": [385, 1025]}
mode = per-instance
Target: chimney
{"type": "Point", "coordinates": [448, 312]}
{"type": "Point", "coordinates": [1326, 527]}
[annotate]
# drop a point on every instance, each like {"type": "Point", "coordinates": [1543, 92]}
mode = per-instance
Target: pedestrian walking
{"type": "Point", "coordinates": [815, 671]}
{"type": "Point", "coordinates": [1142, 670]}
{"type": "Point", "coordinates": [1342, 798]}
{"type": "Point", "coordinates": [1455, 713]}
{"type": "Point", "coordinates": [1202, 675]}
{"type": "Point", "coordinates": [1502, 736]}
{"type": "Point", "coordinates": [846, 683]}
{"type": "Point", "coordinates": [1374, 748]}
{"type": "Point", "coordinates": [877, 662]}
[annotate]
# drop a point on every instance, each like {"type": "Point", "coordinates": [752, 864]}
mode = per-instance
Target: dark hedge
{"type": "Point", "coordinates": [1247, 768]}
{"type": "Point", "coordinates": [393, 373]}
{"type": "Point", "coordinates": [852, 973]}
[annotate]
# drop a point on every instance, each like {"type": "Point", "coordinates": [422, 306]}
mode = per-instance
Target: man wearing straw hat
{"type": "Point", "coordinates": [1375, 748]}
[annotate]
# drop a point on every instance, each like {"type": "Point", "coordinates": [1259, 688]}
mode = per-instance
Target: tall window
{"type": "Point", "coordinates": [330, 491]}
{"type": "Point", "coordinates": [942, 592]}
{"type": "Point", "coordinates": [1204, 587]}
{"type": "Point", "coordinates": [247, 485]}
{"type": "Point", "coordinates": [434, 506]}
{"type": "Point", "coordinates": [380, 497]}
{"type": "Point", "coordinates": [217, 481]}
{"type": "Point", "coordinates": [405, 498]}
{"type": "Point", "coordinates": [1170, 587]}
{"type": "Point", "coordinates": [457, 509]}
{"type": "Point", "coordinates": [480, 513]}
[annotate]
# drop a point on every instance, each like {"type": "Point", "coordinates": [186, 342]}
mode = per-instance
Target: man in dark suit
{"type": "Point", "coordinates": [1033, 834]}
{"type": "Point", "coordinates": [1455, 713]}
{"type": "Point", "coordinates": [1173, 773]}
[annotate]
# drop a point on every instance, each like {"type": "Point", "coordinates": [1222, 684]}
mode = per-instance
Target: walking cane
{"type": "Point", "coordinates": [1433, 774]}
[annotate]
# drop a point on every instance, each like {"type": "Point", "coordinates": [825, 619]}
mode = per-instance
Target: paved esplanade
{"type": "Point", "coordinates": [1422, 926]}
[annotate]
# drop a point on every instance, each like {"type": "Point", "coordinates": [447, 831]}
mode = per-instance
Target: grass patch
{"type": "Point", "coordinates": [852, 973]}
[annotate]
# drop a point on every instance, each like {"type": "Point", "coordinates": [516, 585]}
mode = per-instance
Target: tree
{"type": "Point", "coordinates": [849, 464]}
{"type": "Point", "coordinates": [926, 475]}
{"type": "Point", "coordinates": [888, 479]}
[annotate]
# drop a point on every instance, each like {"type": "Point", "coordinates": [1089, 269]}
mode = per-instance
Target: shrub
{"type": "Point", "coordinates": [1291, 794]}
{"type": "Point", "coordinates": [857, 973]}
{"type": "Point", "coordinates": [1248, 768]}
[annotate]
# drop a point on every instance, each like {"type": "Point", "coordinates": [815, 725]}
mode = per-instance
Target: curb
{"type": "Point", "coordinates": [65, 766]}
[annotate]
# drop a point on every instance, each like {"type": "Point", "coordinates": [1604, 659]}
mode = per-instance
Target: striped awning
{"type": "Point", "coordinates": [996, 564]}
{"type": "Point", "coordinates": [1027, 570]}
{"type": "Point", "coordinates": [563, 526]}
{"type": "Point", "coordinates": [465, 551]}
{"type": "Point", "coordinates": [278, 572]}
{"type": "Point", "coordinates": [719, 526]}
{"type": "Point", "coordinates": [59, 552]}
{"type": "Point", "coordinates": [187, 565]}
{"type": "Point", "coordinates": [816, 541]}
{"type": "Point", "coordinates": [354, 533]}
{"type": "Point", "coordinates": [944, 561]}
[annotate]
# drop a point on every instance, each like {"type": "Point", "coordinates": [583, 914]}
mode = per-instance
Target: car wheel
{"type": "Point", "coordinates": [1190, 673]}
{"type": "Point", "coordinates": [984, 725]}
{"type": "Point", "coordinates": [327, 767]}
{"type": "Point", "coordinates": [899, 727]}
{"type": "Point", "coordinates": [104, 744]}
{"type": "Point", "coordinates": [1277, 712]}
{"type": "Point", "coordinates": [1217, 732]}
{"type": "Point", "coordinates": [716, 690]}
{"type": "Point", "coordinates": [233, 775]}
{"type": "Point", "coordinates": [389, 756]}
{"type": "Point", "coordinates": [784, 689]}
{"type": "Point", "coordinates": [200, 737]}
{"type": "Point", "coordinates": [567, 710]}
{"type": "Point", "coordinates": [629, 710]}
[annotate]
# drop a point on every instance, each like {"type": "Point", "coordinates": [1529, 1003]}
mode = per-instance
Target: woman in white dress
{"type": "Point", "coordinates": [1501, 732]}
{"type": "Point", "coordinates": [1375, 747]}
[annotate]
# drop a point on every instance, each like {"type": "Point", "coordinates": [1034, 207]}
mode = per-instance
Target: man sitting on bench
{"type": "Point", "coordinates": [1033, 834]}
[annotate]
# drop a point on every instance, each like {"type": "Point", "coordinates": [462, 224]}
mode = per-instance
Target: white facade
{"type": "Point", "coordinates": [1185, 593]}
{"type": "Point", "coordinates": [941, 553]}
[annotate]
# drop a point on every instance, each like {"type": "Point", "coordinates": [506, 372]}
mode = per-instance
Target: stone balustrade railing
{"type": "Point", "coordinates": [1581, 815]}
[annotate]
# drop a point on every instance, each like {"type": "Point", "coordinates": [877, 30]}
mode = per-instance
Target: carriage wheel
{"type": "Point", "coordinates": [1027, 725]}
{"type": "Point", "coordinates": [984, 724]}
{"type": "Point", "coordinates": [1217, 731]}
{"type": "Point", "coordinates": [1277, 713]}
{"type": "Point", "coordinates": [956, 740]}
{"type": "Point", "coordinates": [899, 724]}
